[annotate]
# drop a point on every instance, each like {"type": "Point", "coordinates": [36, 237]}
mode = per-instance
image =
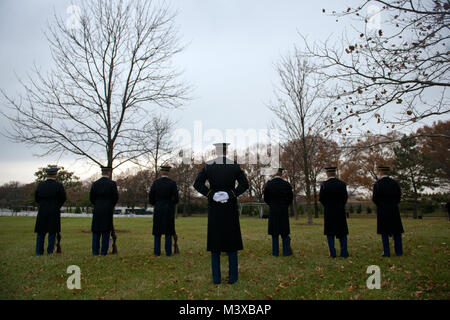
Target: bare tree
{"type": "Point", "coordinates": [156, 143]}
{"type": "Point", "coordinates": [184, 172]}
{"type": "Point", "coordinates": [290, 161]}
{"type": "Point", "coordinates": [109, 75]}
{"type": "Point", "coordinates": [302, 110]}
{"type": "Point", "coordinates": [394, 71]}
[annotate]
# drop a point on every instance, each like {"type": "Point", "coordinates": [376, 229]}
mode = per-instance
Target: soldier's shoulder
{"type": "Point", "coordinates": [212, 161]}
{"type": "Point", "coordinates": [171, 181]}
{"type": "Point", "coordinates": [284, 181]}
{"type": "Point", "coordinates": [60, 184]}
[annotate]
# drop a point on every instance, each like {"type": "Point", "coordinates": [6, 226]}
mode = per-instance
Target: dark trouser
{"type": "Point", "coordinates": [343, 242]}
{"type": "Point", "coordinates": [167, 245]}
{"type": "Point", "coordinates": [397, 245]}
{"type": "Point", "coordinates": [40, 239]}
{"type": "Point", "coordinates": [286, 241]}
{"type": "Point", "coordinates": [232, 267]}
{"type": "Point", "coordinates": [96, 243]}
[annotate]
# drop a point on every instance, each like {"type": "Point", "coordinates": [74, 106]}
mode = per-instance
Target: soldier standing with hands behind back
{"type": "Point", "coordinates": [163, 196]}
{"type": "Point", "coordinates": [278, 195]}
{"type": "Point", "coordinates": [333, 196]}
{"type": "Point", "coordinates": [387, 195]}
{"type": "Point", "coordinates": [224, 231]}
{"type": "Point", "coordinates": [104, 197]}
{"type": "Point", "coordinates": [50, 196]}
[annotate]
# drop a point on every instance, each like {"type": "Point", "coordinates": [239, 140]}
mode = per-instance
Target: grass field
{"type": "Point", "coordinates": [422, 273]}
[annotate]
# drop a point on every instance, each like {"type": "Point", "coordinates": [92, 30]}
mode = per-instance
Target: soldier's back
{"type": "Point", "coordinates": [278, 190]}
{"type": "Point", "coordinates": [164, 188]}
{"type": "Point", "coordinates": [387, 189]}
{"type": "Point", "coordinates": [49, 189]}
{"type": "Point", "coordinates": [222, 175]}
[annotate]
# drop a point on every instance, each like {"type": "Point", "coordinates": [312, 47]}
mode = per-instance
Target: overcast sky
{"type": "Point", "coordinates": [232, 46]}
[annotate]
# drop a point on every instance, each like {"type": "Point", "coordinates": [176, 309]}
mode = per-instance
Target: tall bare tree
{"type": "Point", "coordinates": [394, 69]}
{"type": "Point", "coordinates": [302, 109]}
{"type": "Point", "coordinates": [290, 161]}
{"type": "Point", "coordinates": [111, 71]}
{"type": "Point", "coordinates": [156, 143]}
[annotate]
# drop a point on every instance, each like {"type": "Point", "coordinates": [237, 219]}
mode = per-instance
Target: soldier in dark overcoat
{"type": "Point", "coordinates": [387, 195]}
{"type": "Point", "coordinates": [333, 196]}
{"type": "Point", "coordinates": [104, 197]}
{"type": "Point", "coordinates": [278, 195]}
{"type": "Point", "coordinates": [163, 196]}
{"type": "Point", "coordinates": [224, 231]}
{"type": "Point", "coordinates": [50, 196]}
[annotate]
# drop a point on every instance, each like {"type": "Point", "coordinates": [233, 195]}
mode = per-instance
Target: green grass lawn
{"type": "Point", "coordinates": [422, 273]}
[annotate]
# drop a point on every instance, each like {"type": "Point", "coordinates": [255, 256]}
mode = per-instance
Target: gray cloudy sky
{"type": "Point", "coordinates": [232, 46]}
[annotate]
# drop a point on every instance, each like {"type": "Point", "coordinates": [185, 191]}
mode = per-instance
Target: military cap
{"type": "Point", "coordinates": [106, 169]}
{"type": "Point", "coordinates": [52, 170]}
{"type": "Point", "coordinates": [384, 168]}
{"type": "Point", "coordinates": [165, 168]}
{"type": "Point", "coordinates": [330, 169]}
{"type": "Point", "coordinates": [221, 147]}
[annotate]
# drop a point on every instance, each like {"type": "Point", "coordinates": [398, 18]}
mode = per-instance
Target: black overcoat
{"type": "Point", "coordinates": [224, 231]}
{"type": "Point", "coordinates": [103, 196]}
{"type": "Point", "coordinates": [163, 196]}
{"type": "Point", "coordinates": [50, 196]}
{"type": "Point", "coordinates": [278, 195]}
{"type": "Point", "coordinates": [387, 195]}
{"type": "Point", "coordinates": [333, 196]}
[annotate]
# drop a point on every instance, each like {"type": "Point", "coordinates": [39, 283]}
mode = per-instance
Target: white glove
{"type": "Point", "coordinates": [221, 197]}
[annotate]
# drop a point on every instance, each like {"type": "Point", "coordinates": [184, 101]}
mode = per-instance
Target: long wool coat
{"type": "Point", "coordinates": [103, 196]}
{"type": "Point", "coordinates": [387, 195]}
{"type": "Point", "coordinates": [224, 231]}
{"type": "Point", "coordinates": [278, 195]}
{"type": "Point", "coordinates": [333, 196]}
{"type": "Point", "coordinates": [163, 196]}
{"type": "Point", "coordinates": [50, 195]}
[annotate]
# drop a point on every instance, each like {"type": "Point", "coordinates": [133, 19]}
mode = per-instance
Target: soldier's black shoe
{"type": "Point", "coordinates": [232, 281]}
{"type": "Point", "coordinates": [386, 255]}
{"type": "Point", "coordinates": [344, 256]}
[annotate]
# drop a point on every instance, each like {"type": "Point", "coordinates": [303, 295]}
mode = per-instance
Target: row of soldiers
{"type": "Point", "coordinates": [222, 181]}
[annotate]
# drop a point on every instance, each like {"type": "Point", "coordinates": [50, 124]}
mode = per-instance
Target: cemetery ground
{"type": "Point", "coordinates": [135, 273]}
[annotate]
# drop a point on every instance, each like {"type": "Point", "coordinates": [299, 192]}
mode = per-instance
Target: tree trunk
{"type": "Point", "coordinates": [416, 196]}
{"type": "Point", "coordinates": [309, 218]}
{"type": "Point", "coordinates": [316, 207]}
{"type": "Point", "coordinates": [416, 205]}
{"type": "Point", "coordinates": [294, 208]}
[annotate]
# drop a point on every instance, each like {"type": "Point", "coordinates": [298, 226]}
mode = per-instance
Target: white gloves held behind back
{"type": "Point", "coordinates": [221, 196]}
